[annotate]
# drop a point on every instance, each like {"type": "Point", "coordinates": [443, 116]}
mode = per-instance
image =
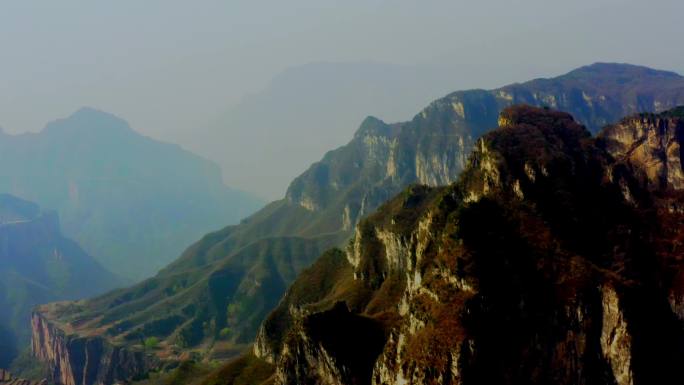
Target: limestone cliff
{"type": "Point", "coordinates": [433, 147]}
{"type": "Point", "coordinates": [654, 144]}
{"type": "Point", "coordinates": [83, 360]}
{"type": "Point", "coordinates": [550, 260]}
{"type": "Point", "coordinates": [650, 147]}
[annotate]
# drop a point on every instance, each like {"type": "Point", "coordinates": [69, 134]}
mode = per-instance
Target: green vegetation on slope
{"type": "Point", "coordinates": [214, 309]}
{"type": "Point", "coordinates": [38, 265]}
{"type": "Point", "coordinates": [244, 370]}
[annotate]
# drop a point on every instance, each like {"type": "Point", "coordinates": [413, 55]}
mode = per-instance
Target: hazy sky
{"type": "Point", "coordinates": [171, 66]}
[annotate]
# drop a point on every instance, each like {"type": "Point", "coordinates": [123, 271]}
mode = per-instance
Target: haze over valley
{"type": "Point", "coordinates": [341, 193]}
{"type": "Point", "coordinates": [215, 76]}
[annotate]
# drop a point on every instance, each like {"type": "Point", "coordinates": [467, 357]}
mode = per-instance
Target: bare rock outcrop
{"type": "Point", "coordinates": [550, 260]}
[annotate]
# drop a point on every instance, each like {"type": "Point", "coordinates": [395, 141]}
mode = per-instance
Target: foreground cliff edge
{"type": "Point", "coordinates": [556, 258]}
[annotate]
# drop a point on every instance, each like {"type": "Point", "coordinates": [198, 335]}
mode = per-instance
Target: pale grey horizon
{"type": "Point", "coordinates": [175, 69]}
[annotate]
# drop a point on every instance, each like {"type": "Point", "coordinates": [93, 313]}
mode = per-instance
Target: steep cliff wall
{"type": "Point", "coordinates": [432, 148]}
{"type": "Point", "coordinates": [650, 147]}
{"type": "Point", "coordinates": [84, 360]}
{"type": "Point", "coordinates": [551, 260]}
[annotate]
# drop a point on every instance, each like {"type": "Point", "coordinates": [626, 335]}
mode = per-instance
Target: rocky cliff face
{"type": "Point", "coordinates": [650, 147]}
{"type": "Point", "coordinates": [653, 142]}
{"type": "Point", "coordinates": [213, 298]}
{"type": "Point", "coordinates": [552, 259]}
{"type": "Point", "coordinates": [433, 147]}
{"type": "Point", "coordinates": [83, 360]}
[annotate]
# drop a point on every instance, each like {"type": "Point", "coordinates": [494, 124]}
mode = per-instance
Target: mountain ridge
{"type": "Point", "coordinates": [322, 209]}
{"type": "Point", "coordinates": [129, 200]}
{"type": "Point", "coordinates": [548, 261]}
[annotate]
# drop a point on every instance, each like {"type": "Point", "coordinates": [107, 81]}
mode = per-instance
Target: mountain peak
{"type": "Point", "coordinates": [614, 70]}
{"type": "Point", "coordinates": [372, 126]}
{"type": "Point", "coordinates": [87, 111]}
{"type": "Point", "coordinates": [88, 119]}
{"type": "Point", "coordinates": [13, 209]}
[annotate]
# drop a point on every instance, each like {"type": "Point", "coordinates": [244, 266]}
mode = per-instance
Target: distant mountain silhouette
{"type": "Point", "coordinates": [130, 201]}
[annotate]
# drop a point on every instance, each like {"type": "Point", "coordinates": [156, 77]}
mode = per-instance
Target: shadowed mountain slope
{"type": "Point", "coordinates": [553, 259]}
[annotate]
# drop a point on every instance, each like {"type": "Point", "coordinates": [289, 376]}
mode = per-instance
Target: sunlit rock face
{"type": "Point", "coordinates": [433, 148]}
{"type": "Point", "coordinates": [549, 260]}
{"type": "Point", "coordinates": [652, 143]}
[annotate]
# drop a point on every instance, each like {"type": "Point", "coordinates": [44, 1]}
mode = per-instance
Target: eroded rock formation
{"type": "Point", "coordinates": [553, 259]}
